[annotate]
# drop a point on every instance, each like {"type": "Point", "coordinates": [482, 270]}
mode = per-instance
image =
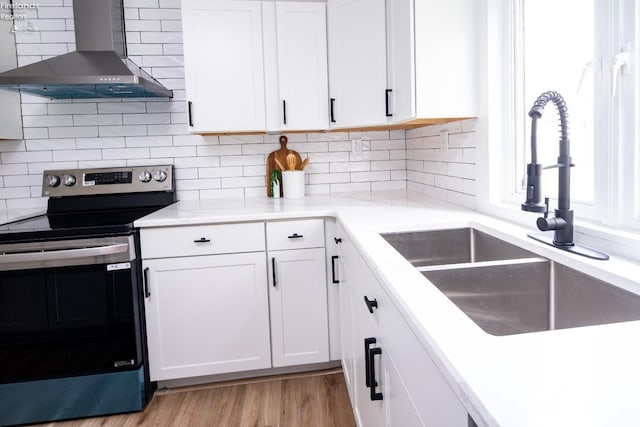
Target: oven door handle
{"type": "Point", "coordinates": [64, 254]}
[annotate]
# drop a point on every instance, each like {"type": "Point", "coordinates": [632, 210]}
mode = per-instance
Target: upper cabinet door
{"type": "Point", "coordinates": [357, 62]}
{"type": "Point", "coordinates": [302, 66]}
{"type": "Point", "coordinates": [401, 76]}
{"type": "Point", "coordinates": [224, 65]}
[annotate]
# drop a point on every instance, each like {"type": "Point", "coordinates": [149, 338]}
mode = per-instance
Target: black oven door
{"type": "Point", "coordinates": [68, 308]}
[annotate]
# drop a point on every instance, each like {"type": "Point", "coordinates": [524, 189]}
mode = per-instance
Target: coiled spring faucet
{"type": "Point", "coordinates": [562, 221]}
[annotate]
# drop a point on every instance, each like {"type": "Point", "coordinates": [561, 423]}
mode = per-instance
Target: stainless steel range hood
{"type": "Point", "coordinates": [98, 68]}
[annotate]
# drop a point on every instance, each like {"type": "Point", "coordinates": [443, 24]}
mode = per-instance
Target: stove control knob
{"type": "Point", "coordinates": [53, 180]}
{"type": "Point", "coordinates": [69, 180]}
{"type": "Point", "coordinates": [145, 176]}
{"type": "Point", "coordinates": [160, 175]}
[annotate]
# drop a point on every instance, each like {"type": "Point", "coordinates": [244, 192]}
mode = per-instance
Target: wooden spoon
{"type": "Point", "coordinates": [304, 164]}
{"type": "Point", "coordinates": [291, 161]}
{"type": "Point", "coordinates": [279, 165]}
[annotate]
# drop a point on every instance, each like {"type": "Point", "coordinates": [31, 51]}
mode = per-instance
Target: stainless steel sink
{"type": "Point", "coordinates": [533, 295]}
{"type": "Point", "coordinates": [452, 246]}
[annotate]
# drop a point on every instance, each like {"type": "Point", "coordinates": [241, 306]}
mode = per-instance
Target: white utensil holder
{"type": "Point", "coordinates": [293, 184]}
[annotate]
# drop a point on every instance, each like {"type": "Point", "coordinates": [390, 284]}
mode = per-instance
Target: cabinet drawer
{"type": "Point", "coordinates": [308, 233]}
{"type": "Point", "coordinates": [202, 240]}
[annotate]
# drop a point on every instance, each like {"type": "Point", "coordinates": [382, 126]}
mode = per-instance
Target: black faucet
{"type": "Point", "coordinates": [562, 221]}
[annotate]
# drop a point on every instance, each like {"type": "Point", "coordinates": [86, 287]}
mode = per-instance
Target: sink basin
{"type": "Point", "coordinates": [452, 246]}
{"type": "Point", "coordinates": [532, 295]}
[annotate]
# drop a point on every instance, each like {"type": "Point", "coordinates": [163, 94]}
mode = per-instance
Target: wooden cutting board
{"type": "Point", "coordinates": [281, 156]}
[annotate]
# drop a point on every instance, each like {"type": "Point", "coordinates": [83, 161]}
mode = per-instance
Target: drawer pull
{"type": "Point", "coordinates": [145, 278]}
{"type": "Point", "coordinates": [337, 240]}
{"type": "Point", "coordinates": [295, 236]}
{"type": "Point", "coordinates": [333, 269]}
{"type": "Point", "coordinates": [202, 240]}
{"type": "Point", "coordinates": [367, 371]}
{"type": "Point", "coordinates": [372, 373]}
{"type": "Point", "coordinates": [371, 303]}
{"type": "Point", "coordinates": [273, 271]}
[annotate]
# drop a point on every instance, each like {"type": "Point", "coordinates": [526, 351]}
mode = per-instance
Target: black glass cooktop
{"type": "Point", "coordinates": [72, 225]}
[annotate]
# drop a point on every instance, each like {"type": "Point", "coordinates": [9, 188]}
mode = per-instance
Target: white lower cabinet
{"type": "Point", "coordinates": [298, 301]}
{"type": "Point", "coordinates": [207, 315]}
{"type": "Point", "coordinates": [297, 292]}
{"type": "Point", "coordinates": [391, 378]}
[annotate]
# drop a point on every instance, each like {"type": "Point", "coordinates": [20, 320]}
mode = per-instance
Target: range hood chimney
{"type": "Point", "coordinates": [99, 68]}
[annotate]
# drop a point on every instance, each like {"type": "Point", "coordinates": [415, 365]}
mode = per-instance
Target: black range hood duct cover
{"type": "Point", "coordinates": [98, 68]}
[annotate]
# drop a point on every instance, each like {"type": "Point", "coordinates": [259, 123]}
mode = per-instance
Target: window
{"type": "Point", "coordinates": [587, 51]}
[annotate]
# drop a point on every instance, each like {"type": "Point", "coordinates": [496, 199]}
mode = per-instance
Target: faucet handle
{"type": "Point", "coordinates": [546, 207]}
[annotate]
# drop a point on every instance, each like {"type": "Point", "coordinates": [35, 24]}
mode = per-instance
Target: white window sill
{"type": "Point", "coordinates": [621, 243]}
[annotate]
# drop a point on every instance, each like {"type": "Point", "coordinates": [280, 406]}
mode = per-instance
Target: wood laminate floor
{"type": "Point", "coordinates": [317, 399]}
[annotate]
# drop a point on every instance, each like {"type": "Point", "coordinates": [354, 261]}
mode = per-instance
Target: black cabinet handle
{"type": "Point", "coordinates": [273, 270]}
{"type": "Point", "coordinates": [284, 111]}
{"type": "Point", "coordinates": [189, 105]}
{"type": "Point", "coordinates": [295, 236]}
{"type": "Point", "coordinates": [371, 303]}
{"type": "Point", "coordinates": [372, 373]}
{"type": "Point", "coordinates": [337, 240]}
{"type": "Point", "coordinates": [386, 102]}
{"type": "Point", "coordinates": [333, 269]}
{"type": "Point", "coordinates": [367, 360]}
{"type": "Point", "coordinates": [145, 274]}
{"type": "Point", "coordinates": [202, 240]}
{"type": "Point", "coordinates": [332, 101]}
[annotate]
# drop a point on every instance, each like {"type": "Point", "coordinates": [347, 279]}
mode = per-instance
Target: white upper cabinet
{"type": "Point", "coordinates": [402, 61]}
{"type": "Point", "coordinates": [401, 76]}
{"type": "Point", "coordinates": [255, 66]}
{"type": "Point", "coordinates": [224, 65]}
{"type": "Point", "coordinates": [10, 108]}
{"type": "Point", "coordinates": [301, 34]}
{"type": "Point", "coordinates": [446, 58]}
{"type": "Point", "coordinates": [357, 62]}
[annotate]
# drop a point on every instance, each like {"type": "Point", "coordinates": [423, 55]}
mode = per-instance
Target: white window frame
{"type": "Point", "coordinates": [619, 232]}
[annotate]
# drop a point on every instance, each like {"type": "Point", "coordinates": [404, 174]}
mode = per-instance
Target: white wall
{"type": "Point", "coordinates": [119, 132]}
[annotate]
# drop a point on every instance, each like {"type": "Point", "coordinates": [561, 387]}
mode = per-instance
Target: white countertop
{"type": "Point", "coordinates": [586, 376]}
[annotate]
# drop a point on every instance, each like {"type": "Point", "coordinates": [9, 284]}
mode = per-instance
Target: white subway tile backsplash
{"type": "Point", "coordinates": [97, 119]}
{"type": "Point", "coordinates": [73, 132]}
{"type": "Point", "coordinates": [50, 144]}
{"type": "Point", "coordinates": [220, 150]}
{"type": "Point", "coordinates": [122, 107]}
{"type": "Point", "coordinates": [62, 134]}
{"type": "Point", "coordinates": [247, 181]}
{"type": "Point", "coordinates": [148, 141]}
{"type": "Point", "coordinates": [162, 14]}
{"type": "Point", "coordinates": [146, 119]}
{"type": "Point", "coordinates": [47, 121]}
{"type": "Point", "coordinates": [242, 160]}
{"type": "Point", "coordinates": [172, 151]}
{"type": "Point", "coordinates": [25, 156]}
{"type": "Point", "coordinates": [328, 178]}
{"type": "Point", "coordinates": [370, 176]}
{"type": "Point", "coordinates": [228, 172]}
{"type": "Point", "coordinates": [200, 184]}
{"type": "Point", "coordinates": [349, 167]}
{"type": "Point", "coordinates": [72, 108]}
{"type": "Point", "coordinates": [14, 169]}
{"type": "Point", "coordinates": [388, 185]}
{"type": "Point", "coordinates": [129, 130]}
{"type": "Point", "coordinates": [125, 153]}
{"type": "Point", "coordinates": [76, 155]}
{"type": "Point", "coordinates": [85, 143]}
